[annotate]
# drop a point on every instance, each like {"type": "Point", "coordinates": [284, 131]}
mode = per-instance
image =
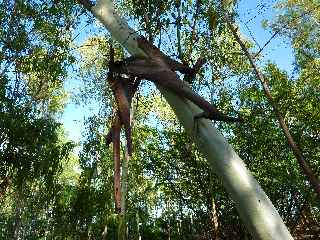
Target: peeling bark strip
{"type": "Point", "coordinates": [159, 69]}
{"type": "Point", "coordinates": [156, 70]}
{"type": "Point", "coordinates": [255, 209]}
{"type": "Point", "coordinates": [292, 144]}
{"type": "Point", "coordinates": [123, 103]}
{"type": "Point", "coordinates": [123, 90]}
{"type": "Point", "coordinates": [116, 157]}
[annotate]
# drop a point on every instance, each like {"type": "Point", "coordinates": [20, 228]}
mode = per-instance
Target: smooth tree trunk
{"type": "Point", "coordinates": [306, 169]}
{"type": "Point", "coordinates": [254, 207]}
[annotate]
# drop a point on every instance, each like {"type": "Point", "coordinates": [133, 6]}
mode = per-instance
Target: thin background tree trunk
{"type": "Point", "coordinates": [306, 169]}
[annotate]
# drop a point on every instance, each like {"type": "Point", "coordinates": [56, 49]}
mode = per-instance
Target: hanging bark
{"type": "Point", "coordinates": [254, 207]}
{"type": "Point", "coordinates": [123, 228]}
{"type": "Point", "coordinates": [123, 89]}
{"type": "Point", "coordinates": [116, 158]}
{"type": "Point", "coordinates": [125, 173]}
{"type": "Point", "coordinates": [120, 90]}
{"type": "Point", "coordinates": [156, 69]}
{"type": "Point", "coordinates": [124, 182]}
{"type": "Point", "coordinates": [306, 169]}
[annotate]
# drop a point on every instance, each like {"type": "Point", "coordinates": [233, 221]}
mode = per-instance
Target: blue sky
{"type": "Point", "coordinates": [251, 14]}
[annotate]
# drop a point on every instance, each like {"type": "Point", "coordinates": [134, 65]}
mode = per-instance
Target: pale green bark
{"type": "Point", "coordinates": [254, 207]}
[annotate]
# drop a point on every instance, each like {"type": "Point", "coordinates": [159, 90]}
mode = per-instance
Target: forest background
{"type": "Point", "coordinates": [57, 174]}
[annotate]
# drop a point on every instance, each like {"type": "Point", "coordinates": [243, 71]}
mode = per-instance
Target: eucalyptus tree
{"type": "Point", "coordinates": [220, 155]}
